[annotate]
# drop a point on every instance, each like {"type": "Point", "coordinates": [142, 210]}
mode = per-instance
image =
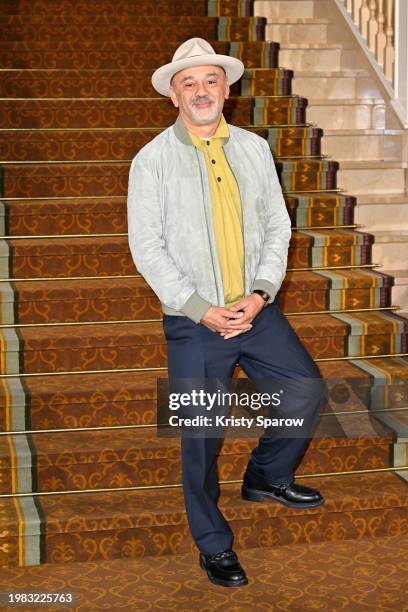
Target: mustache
{"type": "Point", "coordinates": [202, 99]}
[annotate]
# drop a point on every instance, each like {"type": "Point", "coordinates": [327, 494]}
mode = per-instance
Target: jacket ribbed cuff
{"type": "Point", "coordinates": [265, 285]}
{"type": "Point", "coordinates": [195, 307]}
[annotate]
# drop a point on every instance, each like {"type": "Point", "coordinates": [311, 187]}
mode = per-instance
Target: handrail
{"type": "Point", "coordinates": [382, 26]}
{"type": "Point", "coordinates": [375, 20]}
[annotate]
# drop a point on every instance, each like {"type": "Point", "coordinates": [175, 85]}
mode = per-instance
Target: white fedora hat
{"type": "Point", "coordinates": [195, 52]}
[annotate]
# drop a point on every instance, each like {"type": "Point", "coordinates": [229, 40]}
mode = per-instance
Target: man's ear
{"type": "Point", "coordinates": [227, 89]}
{"type": "Point", "coordinates": [173, 96]}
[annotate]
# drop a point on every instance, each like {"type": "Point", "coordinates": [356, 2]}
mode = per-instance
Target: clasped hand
{"type": "Point", "coordinates": [230, 322]}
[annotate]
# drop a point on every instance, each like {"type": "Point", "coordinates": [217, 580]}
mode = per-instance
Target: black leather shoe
{"type": "Point", "coordinates": [292, 494]}
{"type": "Point", "coordinates": [224, 569]}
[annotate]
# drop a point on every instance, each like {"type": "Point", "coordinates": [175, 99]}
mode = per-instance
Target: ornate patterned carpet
{"type": "Point", "coordinates": [83, 476]}
{"type": "Point", "coordinates": [324, 576]}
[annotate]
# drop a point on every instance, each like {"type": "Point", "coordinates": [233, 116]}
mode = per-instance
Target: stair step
{"type": "Point", "coordinates": [142, 344]}
{"type": "Point", "coordinates": [153, 523]}
{"type": "Point", "coordinates": [369, 144]}
{"type": "Point", "coordinates": [307, 29]}
{"type": "Point", "coordinates": [306, 46]}
{"type": "Point", "coordinates": [164, 29]}
{"type": "Point", "coordinates": [36, 217]}
{"type": "Point", "coordinates": [51, 301]}
{"type": "Point", "coordinates": [358, 114]}
{"type": "Point", "coordinates": [144, 112]}
{"type": "Point", "coordinates": [120, 398]}
{"type": "Point", "coordinates": [68, 256]}
{"type": "Point", "coordinates": [400, 275]}
{"type": "Point", "coordinates": [382, 558]}
{"type": "Point", "coordinates": [291, 8]}
{"type": "Point", "coordinates": [67, 461]}
{"type": "Point", "coordinates": [346, 103]}
{"type": "Point", "coordinates": [372, 176]}
{"type": "Point", "coordinates": [122, 144]}
{"type": "Point", "coordinates": [292, 29]}
{"type": "Point", "coordinates": [130, 54]}
{"type": "Point", "coordinates": [400, 235]}
{"type": "Point", "coordinates": [392, 247]}
{"type": "Point", "coordinates": [337, 84]}
{"type": "Point", "coordinates": [315, 57]}
{"type": "Point", "coordinates": [77, 179]}
{"type": "Point", "coordinates": [373, 164]}
{"type": "Point", "coordinates": [127, 83]}
{"type": "Point", "coordinates": [382, 212]}
{"type": "Point", "coordinates": [400, 290]}
{"type": "Point", "coordinates": [383, 198]}
{"type": "Point", "coordinates": [82, 9]}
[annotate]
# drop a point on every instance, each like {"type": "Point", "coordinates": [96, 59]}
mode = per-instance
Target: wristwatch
{"type": "Point", "coordinates": [265, 296]}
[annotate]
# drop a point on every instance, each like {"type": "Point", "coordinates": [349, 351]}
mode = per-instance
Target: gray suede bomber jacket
{"type": "Point", "coordinates": [170, 229]}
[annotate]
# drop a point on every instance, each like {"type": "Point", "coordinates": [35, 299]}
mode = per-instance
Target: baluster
{"type": "Point", "coordinates": [356, 12]}
{"type": "Point", "coordinates": [377, 27]}
{"type": "Point", "coordinates": [389, 53]}
{"type": "Point", "coordinates": [380, 38]}
{"type": "Point", "coordinates": [372, 25]}
{"type": "Point", "coordinates": [364, 17]}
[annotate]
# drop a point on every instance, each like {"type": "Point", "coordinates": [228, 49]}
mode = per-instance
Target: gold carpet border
{"type": "Point", "coordinates": [37, 236]}
{"type": "Point", "coordinates": [148, 98]}
{"type": "Point", "coordinates": [148, 70]}
{"type": "Point", "coordinates": [179, 486]}
{"type": "Point", "coordinates": [29, 199]}
{"type": "Point", "coordinates": [163, 368]}
{"type": "Point", "coordinates": [20, 432]}
{"type": "Point", "coordinates": [334, 190]}
{"type": "Point", "coordinates": [123, 161]}
{"type": "Point", "coordinates": [114, 197]}
{"type": "Point", "coordinates": [317, 227]}
{"type": "Point", "coordinates": [124, 321]}
{"type": "Point", "coordinates": [65, 278]}
{"type": "Point", "coordinates": [112, 129]}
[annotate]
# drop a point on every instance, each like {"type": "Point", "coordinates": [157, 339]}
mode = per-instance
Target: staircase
{"type": "Point", "coordinates": [360, 131]}
{"type": "Point", "coordinates": [83, 476]}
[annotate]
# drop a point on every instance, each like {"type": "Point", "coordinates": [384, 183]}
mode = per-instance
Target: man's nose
{"type": "Point", "coordinates": [202, 89]}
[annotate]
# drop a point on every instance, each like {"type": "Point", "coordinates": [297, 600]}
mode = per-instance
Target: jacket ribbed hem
{"type": "Point", "coordinates": [194, 308]}
{"type": "Point", "coordinates": [171, 311]}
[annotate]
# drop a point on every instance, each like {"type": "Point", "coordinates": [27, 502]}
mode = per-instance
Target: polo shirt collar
{"type": "Point", "coordinates": [182, 133]}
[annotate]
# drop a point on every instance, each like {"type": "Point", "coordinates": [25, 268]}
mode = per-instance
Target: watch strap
{"type": "Point", "coordinates": [264, 295]}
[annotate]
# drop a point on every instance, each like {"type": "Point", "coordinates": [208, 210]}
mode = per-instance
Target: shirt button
{"type": "Point", "coordinates": [213, 161]}
{"type": "Point", "coordinates": [218, 178]}
{"type": "Point", "coordinates": [208, 142]}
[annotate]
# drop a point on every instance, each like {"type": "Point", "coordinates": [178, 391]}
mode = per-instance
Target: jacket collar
{"type": "Point", "coordinates": [182, 134]}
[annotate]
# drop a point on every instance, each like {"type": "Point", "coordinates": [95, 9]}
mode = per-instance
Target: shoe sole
{"type": "Point", "coordinates": [259, 496]}
{"type": "Point", "coordinates": [220, 582]}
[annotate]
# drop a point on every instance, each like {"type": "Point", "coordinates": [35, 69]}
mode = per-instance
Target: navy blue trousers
{"type": "Point", "coordinates": [271, 349]}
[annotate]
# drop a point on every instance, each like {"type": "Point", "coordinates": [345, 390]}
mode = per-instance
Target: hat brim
{"type": "Point", "coordinates": [161, 77]}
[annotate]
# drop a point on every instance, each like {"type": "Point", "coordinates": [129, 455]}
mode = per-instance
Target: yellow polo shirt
{"type": "Point", "coordinates": [227, 212]}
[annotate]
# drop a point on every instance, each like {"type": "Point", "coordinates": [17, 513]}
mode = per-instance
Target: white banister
{"type": "Point", "coordinates": [383, 25]}
{"type": "Point", "coordinates": [375, 20]}
{"type": "Point", "coordinates": [400, 76]}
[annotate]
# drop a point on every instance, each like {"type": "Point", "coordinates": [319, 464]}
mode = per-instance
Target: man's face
{"type": "Point", "coordinates": [199, 93]}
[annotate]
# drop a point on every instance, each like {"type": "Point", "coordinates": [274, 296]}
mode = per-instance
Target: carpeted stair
{"type": "Point", "coordinates": [319, 576]}
{"type": "Point", "coordinates": [82, 346]}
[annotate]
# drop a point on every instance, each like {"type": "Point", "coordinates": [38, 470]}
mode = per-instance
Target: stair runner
{"type": "Point", "coordinates": [82, 345]}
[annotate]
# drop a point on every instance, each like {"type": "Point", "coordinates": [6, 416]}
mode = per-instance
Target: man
{"type": "Point", "coordinates": [209, 231]}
